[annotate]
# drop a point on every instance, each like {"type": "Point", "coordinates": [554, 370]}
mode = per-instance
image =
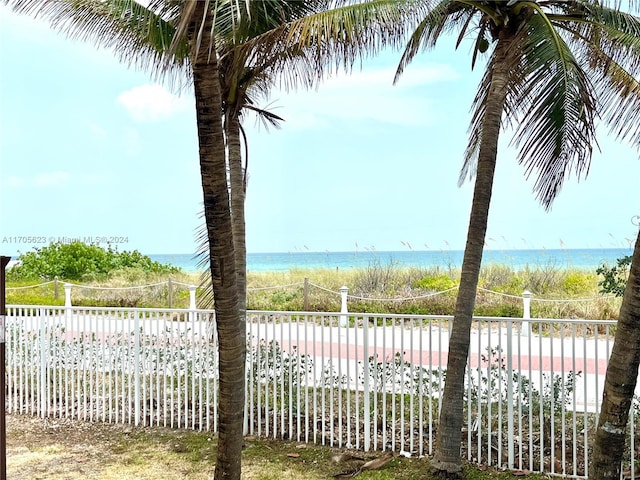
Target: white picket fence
{"type": "Point", "coordinates": [364, 381]}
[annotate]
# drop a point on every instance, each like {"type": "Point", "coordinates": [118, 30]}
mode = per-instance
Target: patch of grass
{"type": "Point", "coordinates": [56, 450]}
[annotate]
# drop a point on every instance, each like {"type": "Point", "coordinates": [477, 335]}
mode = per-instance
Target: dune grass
{"type": "Point", "coordinates": [379, 288]}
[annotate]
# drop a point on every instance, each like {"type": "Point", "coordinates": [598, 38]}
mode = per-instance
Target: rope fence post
{"type": "Point", "coordinates": [526, 314]}
{"type": "Point", "coordinates": [344, 291]}
{"type": "Point", "coordinates": [306, 294]}
{"type": "Point", "coordinates": [55, 288]}
{"type": "Point", "coordinates": [192, 297]}
{"type": "Point", "coordinates": [170, 292]}
{"type": "Point", "coordinates": [67, 295]}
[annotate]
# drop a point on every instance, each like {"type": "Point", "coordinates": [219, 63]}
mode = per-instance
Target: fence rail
{"type": "Point", "coordinates": [366, 381]}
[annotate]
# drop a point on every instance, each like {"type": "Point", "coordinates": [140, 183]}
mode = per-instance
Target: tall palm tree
{"type": "Point", "coordinates": [554, 67]}
{"type": "Point", "coordinates": [620, 381]}
{"type": "Point", "coordinates": [190, 37]}
{"type": "Point", "coordinates": [142, 35]}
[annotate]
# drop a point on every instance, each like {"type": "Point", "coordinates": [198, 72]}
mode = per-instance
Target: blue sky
{"type": "Point", "coordinates": [92, 149]}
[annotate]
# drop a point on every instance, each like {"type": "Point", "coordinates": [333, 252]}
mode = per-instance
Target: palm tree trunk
{"type": "Point", "coordinates": [620, 381]}
{"type": "Point", "coordinates": [230, 325]}
{"type": "Point", "coordinates": [447, 460]}
{"type": "Point", "coordinates": [238, 195]}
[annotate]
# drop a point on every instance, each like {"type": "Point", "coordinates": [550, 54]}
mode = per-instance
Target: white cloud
{"type": "Point", "coordinates": [151, 103]}
{"type": "Point", "coordinates": [367, 95]}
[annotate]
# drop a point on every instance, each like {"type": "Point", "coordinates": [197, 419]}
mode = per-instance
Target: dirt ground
{"type": "Point", "coordinates": [62, 449]}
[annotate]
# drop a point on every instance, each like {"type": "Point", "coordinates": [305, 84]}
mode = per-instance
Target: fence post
{"type": "Point", "coordinates": [306, 294]}
{"type": "Point", "coordinates": [42, 391]}
{"type": "Point", "coordinates": [137, 365]}
{"type": "Point", "coordinates": [344, 291]}
{"type": "Point", "coordinates": [67, 295]}
{"type": "Point", "coordinates": [192, 297]}
{"type": "Point", "coordinates": [526, 314]}
{"type": "Point", "coordinates": [510, 425]}
{"type": "Point", "coordinates": [170, 292]}
{"type": "Point", "coordinates": [55, 288]}
{"type": "Point", "coordinates": [365, 373]}
{"type": "Point", "coordinates": [67, 301]}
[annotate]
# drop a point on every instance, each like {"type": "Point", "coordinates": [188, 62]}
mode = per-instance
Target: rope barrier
{"type": "Point", "coordinates": [500, 293]}
{"type": "Point", "coordinates": [569, 300]}
{"type": "Point", "coordinates": [419, 297]}
{"type": "Point", "coordinates": [319, 287]}
{"type": "Point", "coordinates": [96, 287]}
{"type": "Point", "coordinates": [30, 286]}
{"type": "Point", "coordinates": [324, 289]}
{"type": "Point", "coordinates": [258, 289]}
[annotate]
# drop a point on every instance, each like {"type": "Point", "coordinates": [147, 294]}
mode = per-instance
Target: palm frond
{"type": "Point", "coordinates": [203, 260]}
{"type": "Point", "coordinates": [136, 34]}
{"type": "Point", "coordinates": [470, 160]}
{"type": "Point", "coordinates": [335, 38]}
{"type": "Point", "coordinates": [608, 41]}
{"type": "Point", "coordinates": [620, 100]}
{"type": "Point", "coordinates": [266, 117]}
{"type": "Point", "coordinates": [443, 17]}
{"type": "Point", "coordinates": [557, 130]}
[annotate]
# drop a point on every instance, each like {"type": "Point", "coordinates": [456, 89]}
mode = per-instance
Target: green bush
{"type": "Point", "coordinates": [614, 279]}
{"type": "Point", "coordinates": [437, 283]}
{"type": "Point", "coordinates": [80, 261]}
{"type": "Point", "coordinates": [577, 282]}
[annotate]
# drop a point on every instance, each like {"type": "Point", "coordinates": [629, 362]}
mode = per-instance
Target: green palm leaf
{"type": "Point", "coordinates": [557, 130]}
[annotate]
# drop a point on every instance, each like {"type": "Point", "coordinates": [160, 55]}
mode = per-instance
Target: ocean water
{"type": "Point", "coordinates": [586, 259]}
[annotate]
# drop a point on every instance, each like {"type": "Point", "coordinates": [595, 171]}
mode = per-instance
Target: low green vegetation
{"type": "Point", "coordinates": [431, 291]}
{"type": "Point", "coordinates": [614, 279]}
{"type": "Point", "coordinates": [40, 275]}
{"type": "Point", "coordinates": [83, 262]}
{"type": "Point", "coordinates": [378, 288]}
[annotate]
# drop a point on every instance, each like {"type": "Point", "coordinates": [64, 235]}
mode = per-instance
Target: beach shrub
{"type": "Point", "coordinates": [577, 282]}
{"type": "Point", "coordinates": [376, 277]}
{"type": "Point", "coordinates": [81, 261]}
{"type": "Point", "coordinates": [614, 279]}
{"type": "Point", "coordinates": [437, 283]}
